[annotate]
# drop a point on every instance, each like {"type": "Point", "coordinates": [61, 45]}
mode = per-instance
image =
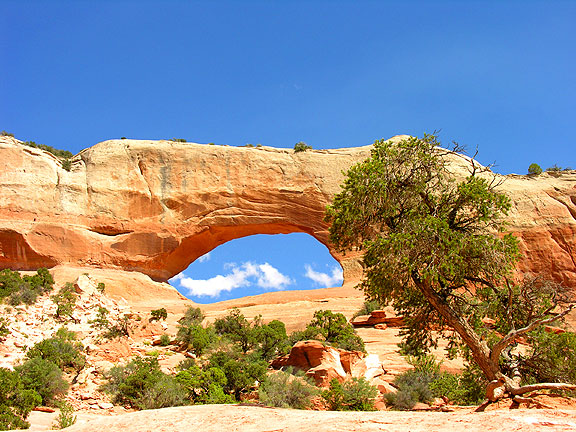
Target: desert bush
{"type": "Point", "coordinates": [368, 307]}
{"type": "Point", "coordinates": [335, 329]}
{"type": "Point", "coordinates": [195, 338]}
{"type": "Point", "coordinates": [66, 416]}
{"type": "Point", "coordinates": [180, 140]}
{"type": "Point", "coordinates": [164, 340]}
{"type": "Point", "coordinates": [101, 321]}
{"type": "Point", "coordinates": [62, 154]}
{"type": "Point", "coordinates": [7, 134]}
{"type": "Point", "coordinates": [65, 301]}
{"type": "Point", "coordinates": [120, 329]}
{"type": "Point", "coordinates": [284, 390]}
{"type": "Point", "coordinates": [241, 371]}
{"type": "Point", "coordinates": [101, 287]}
{"type": "Point", "coordinates": [16, 401]}
{"type": "Point", "coordinates": [142, 385]}
{"type": "Point", "coordinates": [204, 386]}
{"type": "Point", "coordinates": [62, 349]}
{"type": "Point", "coordinates": [551, 358]}
{"type": "Point", "coordinates": [237, 328]}
{"type": "Point", "coordinates": [355, 394]}
{"type": "Point", "coordinates": [301, 146]}
{"type": "Point", "coordinates": [44, 377]}
{"type": "Point", "coordinates": [4, 329]}
{"type": "Point", "coordinates": [24, 289]}
{"type": "Point", "coordinates": [158, 314]}
{"type": "Point", "coordinates": [272, 339]}
{"type": "Point", "coordinates": [192, 316]}
{"type": "Point", "coordinates": [534, 169]}
{"type": "Point", "coordinates": [66, 164]}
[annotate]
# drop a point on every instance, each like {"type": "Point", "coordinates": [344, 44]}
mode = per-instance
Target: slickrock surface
{"type": "Point", "coordinates": [155, 206]}
{"type": "Point", "coordinates": [216, 418]}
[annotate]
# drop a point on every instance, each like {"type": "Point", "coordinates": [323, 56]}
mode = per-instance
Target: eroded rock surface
{"type": "Point", "coordinates": [155, 206]}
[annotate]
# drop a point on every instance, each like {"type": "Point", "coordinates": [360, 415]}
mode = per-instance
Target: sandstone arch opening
{"type": "Point", "coordinates": [258, 264]}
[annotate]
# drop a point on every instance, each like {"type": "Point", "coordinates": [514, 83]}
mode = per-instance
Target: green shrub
{"type": "Point", "coordinates": [192, 316]}
{"type": "Point", "coordinates": [236, 327]}
{"type": "Point", "coordinates": [142, 385]}
{"type": "Point", "coordinates": [62, 154]}
{"type": "Point", "coordinates": [368, 307]}
{"type": "Point", "coordinates": [101, 321]}
{"type": "Point", "coordinates": [285, 390]}
{"type": "Point", "coordinates": [335, 329]}
{"type": "Point", "coordinates": [552, 357]}
{"type": "Point", "coordinates": [62, 349]}
{"type": "Point", "coordinates": [241, 372]}
{"type": "Point", "coordinates": [425, 382]}
{"type": "Point", "coordinates": [180, 140]}
{"type": "Point", "coordinates": [101, 287]}
{"type": "Point", "coordinates": [7, 134]}
{"type": "Point", "coordinates": [272, 339]}
{"type": "Point", "coordinates": [204, 386]}
{"type": "Point", "coordinates": [65, 301]}
{"type": "Point", "coordinates": [16, 401]}
{"type": "Point", "coordinates": [534, 169]}
{"type": "Point", "coordinates": [66, 164]}
{"type": "Point", "coordinates": [24, 289]}
{"type": "Point", "coordinates": [195, 338]}
{"type": "Point", "coordinates": [66, 416]}
{"type": "Point", "coordinates": [4, 329]}
{"type": "Point", "coordinates": [44, 377]}
{"type": "Point", "coordinates": [120, 329]}
{"type": "Point", "coordinates": [164, 340]}
{"type": "Point", "coordinates": [301, 146]}
{"type": "Point", "coordinates": [158, 314]}
{"type": "Point", "coordinates": [355, 394]}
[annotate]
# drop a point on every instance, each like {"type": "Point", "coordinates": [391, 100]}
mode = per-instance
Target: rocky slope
{"type": "Point", "coordinates": [155, 206]}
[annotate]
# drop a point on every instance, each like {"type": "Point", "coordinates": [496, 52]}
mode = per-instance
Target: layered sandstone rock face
{"type": "Point", "coordinates": [155, 206]}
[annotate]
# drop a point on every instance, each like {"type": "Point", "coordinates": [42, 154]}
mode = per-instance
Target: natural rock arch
{"type": "Point", "coordinates": [155, 206]}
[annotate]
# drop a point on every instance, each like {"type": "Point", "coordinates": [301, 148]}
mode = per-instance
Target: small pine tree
{"type": "Point", "coordinates": [534, 169]}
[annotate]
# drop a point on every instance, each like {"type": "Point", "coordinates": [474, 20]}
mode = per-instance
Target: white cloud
{"type": "Point", "coordinates": [325, 280]}
{"type": "Point", "coordinates": [204, 258]}
{"type": "Point", "coordinates": [244, 275]}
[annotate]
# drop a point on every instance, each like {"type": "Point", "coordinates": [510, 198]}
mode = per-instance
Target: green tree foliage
{"type": "Point", "coordinates": [16, 401]}
{"type": "Point", "coordinates": [335, 329]}
{"type": "Point", "coordinates": [204, 386]}
{"type": "Point", "coordinates": [355, 394]}
{"type": "Point", "coordinates": [236, 327]}
{"type": "Point", "coordinates": [26, 289]}
{"type": "Point", "coordinates": [272, 339]}
{"type": "Point", "coordinates": [62, 154]}
{"type": "Point", "coordinates": [301, 146]}
{"type": "Point", "coordinates": [62, 349]}
{"type": "Point", "coordinates": [284, 390]}
{"type": "Point", "coordinates": [192, 316]}
{"type": "Point", "coordinates": [534, 169]}
{"type": "Point", "coordinates": [241, 372]}
{"type": "Point", "coordinates": [44, 377]}
{"type": "Point", "coordinates": [158, 314]}
{"type": "Point", "coordinates": [431, 250]}
{"type": "Point", "coordinates": [65, 300]}
{"type": "Point", "coordinates": [195, 338]}
{"type": "Point", "coordinates": [142, 385]}
{"type": "Point", "coordinates": [368, 307]}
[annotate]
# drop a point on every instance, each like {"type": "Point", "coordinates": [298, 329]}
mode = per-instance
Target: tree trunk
{"type": "Point", "coordinates": [479, 349]}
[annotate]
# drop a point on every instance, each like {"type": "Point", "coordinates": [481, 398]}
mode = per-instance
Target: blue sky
{"type": "Point", "coordinates": [494, 74]}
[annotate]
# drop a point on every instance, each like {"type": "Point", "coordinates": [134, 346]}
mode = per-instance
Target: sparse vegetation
{"type": "Point", "coordinates": [179, 140]}
{"type": "Point", "coordinates": [556, 169]}
{"type": "Point", "coordinates": [66, 416]}
{"type": "Point", "coordinates": [101, 287]}
{"type": "Point", "coordinates": [6, 134]}
{"type": "Point", "coordinates": [368, 307]}
{"type": "Point", "coordinates": [158, 314]}
{"type": "Point", "coordinates": [355, 394]}
{"type": "Point", "coordinates": [301, 146]}
{"type": "Point", "coordinates": [534, 169]}
{"type": "Point", "coordinates": [286, 390]}
{"type": "Point", "coordinates": [16, 289]}
{"type": "Point", "coordinates": [65, 301]}
{"type": "Point", "coordinates": [142, 385]}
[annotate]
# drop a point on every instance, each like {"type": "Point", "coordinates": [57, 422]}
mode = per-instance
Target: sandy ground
{"type": "Point", "coordinates": [234, 418]}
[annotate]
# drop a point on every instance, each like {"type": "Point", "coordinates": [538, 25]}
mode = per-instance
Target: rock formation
{"type": "Point", "coordinates": [155, 206]}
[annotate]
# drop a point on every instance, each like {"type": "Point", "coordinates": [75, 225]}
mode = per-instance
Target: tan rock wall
{"type": "Point", "coordinates": [155, 206]}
